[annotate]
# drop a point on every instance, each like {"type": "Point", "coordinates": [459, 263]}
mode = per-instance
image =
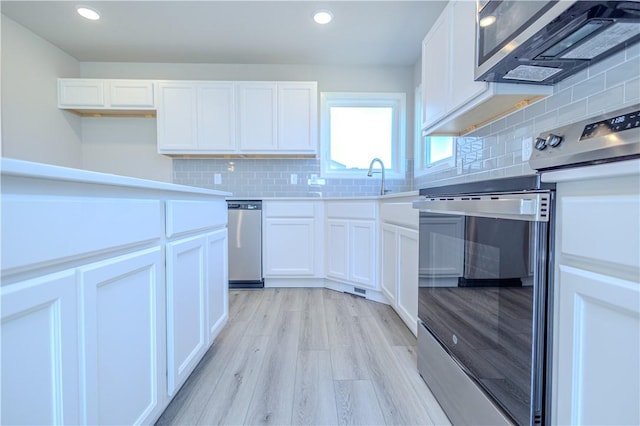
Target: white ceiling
{"type": "Point", "coordinates": [233, 31]}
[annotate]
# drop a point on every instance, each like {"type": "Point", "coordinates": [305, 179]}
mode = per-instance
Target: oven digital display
{"type": "Point", "coordinates": [611, 125]}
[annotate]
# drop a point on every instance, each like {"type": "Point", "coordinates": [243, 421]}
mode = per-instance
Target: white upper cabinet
{"type": "Point", "coordinates": [104, 95]}
{"type": "Point", "coordinates": [452, 102]}
{"type": "Point", "coordinates": [298, 117]}
{"type": "Point", "coordinates": [216, 127]}
{"type": "Point", "coordinates": [196, 117]}
{"type": "Point", "coordinates": [243, 118]}
{"type": "Point", "coordinates": [257, 116]}
{"type": "Point", "coordinates": [177, 118]}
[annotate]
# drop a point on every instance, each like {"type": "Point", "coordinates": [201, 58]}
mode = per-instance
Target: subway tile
{"type": "Point", "coordinates": [606, 101]}
{"type": "Point", "coordinates": [633, 51]}
{"type": "Point", "coordinates": [632, 90]}
{"type": "Point", "coordinates": [534, 110]}
{"type": "Point", "coordinates": [497, 150]}
{"type": "Point", "coordinates": [571, 112]}
{"type": "Point", "coordinates": [498, 125]}
{"type": "Point", "coordinates": [505, 160]}
{"type": "Point", "coordinates": [545, 122]}
{"type": "Point", "coordinates": [607, 63]}
{"type": "Point", "coordinates": [515, 118]}
{"type": "Point", "coordinates": [588, 87]}
{"type": "Point", "coordinates": [572, 80]}
{"type": "Point", "coordinates": [558, 100]}
{"type": "Point", "coordinates": [626, 71]}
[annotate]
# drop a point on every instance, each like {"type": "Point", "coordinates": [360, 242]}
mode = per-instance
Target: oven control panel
{"type": "Point", "coordinates": [609, 137]}
{"type": "Point", "coordinates": [611, 125]}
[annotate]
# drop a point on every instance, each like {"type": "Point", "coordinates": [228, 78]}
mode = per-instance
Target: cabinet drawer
{"type": "Point", "coordinates": [402, 214]}
{"type": "Point", "coordinates": [592, 226]}
{"type": "Point", "coordinates": [45, 229]}
{"type": "Point", "coordinates": [352, 210]}
{"type": "Point", "coordinates": [188, 216]}
{"type": "Point", "coordinates": [289, 209]}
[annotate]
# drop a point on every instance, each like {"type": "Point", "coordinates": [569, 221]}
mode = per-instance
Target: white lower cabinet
{"type": "Point", "coordinates": [407, 300]}
{"type": "Point", "coordinates": [217, 283]}
{"type": "Point", "coordinates": [598, 368]}
{"type": "Point", "coordinates": [290, 247]}
{"type": "Point", "coordinates": [596, 320]}
{"type": "Point", "coordinates": [122, 328]}
{"type": "Point", "coordinates": [389, 258]}
{"type": "Point", "coordinates": [399, 274]}
{"type": "Point", "coordinates": [186, 308]}
{"type": "Point", "coordinates": [292, 239]}
{"type": "Point", "coordinates": [351, 251]}
{"type": "Point", "coordinates": [40, 368]}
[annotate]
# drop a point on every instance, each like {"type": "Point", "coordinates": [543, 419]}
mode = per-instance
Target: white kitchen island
{"type": "Point", "coordinates": [113, 288]}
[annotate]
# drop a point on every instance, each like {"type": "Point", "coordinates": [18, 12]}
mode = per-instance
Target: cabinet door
{"type": "Point", "coordinates": [362, 254]}
{"type": "Point", "coordinates": [389, 262]}
{"type": "Point", "coordinates": [407, 256]}
{"type": "Point", "coordinates": [217, 117]}
{"type": "Point", "coordinates": [177, 118]}
{"type": "Point", "coordinates": [81, 92]}
{"type": "Point", "coordinates": [258, 106]}
{"type": "Point", "coordinates": [217, 283]}
{"type": "Point", "coordinates": [463, 86]}
{"type": "Point", "coordinates": [186, 315]}
{"type": "Point", "coordinates": [298, 117]}
{"type": "Point", "coordinates": [123, 329]}
{"type": "Point", "coordinates": [442, 246]}
{"type": "Point", "coordinates": [137, 94]}
{"type": "Point", "coordinates": [289, 248]}
{"type": "Point", "coordinates": [435, 70]}
{"type": "Point", "coordinates": [337, 249]}
{"type": "Point", "coordinates": [40, 368]}
{"type": "Point", "coordinates": [597, 349]}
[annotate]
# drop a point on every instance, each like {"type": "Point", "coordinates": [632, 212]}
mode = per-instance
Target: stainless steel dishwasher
{"type": "Point", "coordinates": [245, 244]}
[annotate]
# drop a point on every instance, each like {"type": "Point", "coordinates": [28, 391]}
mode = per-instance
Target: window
{"type": "Point", "coordinates": [432, 153]}
{"type": "Point", "coordinates": [358, 127]}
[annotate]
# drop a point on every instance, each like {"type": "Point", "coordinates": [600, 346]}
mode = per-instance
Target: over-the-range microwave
{"type": "Point", "coordinates": [543, 42]}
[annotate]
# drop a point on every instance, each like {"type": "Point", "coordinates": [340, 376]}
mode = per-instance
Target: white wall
{"type": "Point", "coordinates": [124, 146]}
{"type": "Point", "coordinates": [33, 128]}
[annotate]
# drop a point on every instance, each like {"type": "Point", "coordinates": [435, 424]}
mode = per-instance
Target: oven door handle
{"type": "Point", "coordinates": [529, 208]}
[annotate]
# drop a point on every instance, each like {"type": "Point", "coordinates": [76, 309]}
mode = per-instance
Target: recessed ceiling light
{"type": "Point", "coordinates": [88, 13]}
{"type": "Point", "coordinates": [322, 16]}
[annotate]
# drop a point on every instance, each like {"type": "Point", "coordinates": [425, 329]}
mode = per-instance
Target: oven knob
{"type": "Point", "coordinates": [540, 144]}
{"type": "Point", "coordinates": [554, 140]}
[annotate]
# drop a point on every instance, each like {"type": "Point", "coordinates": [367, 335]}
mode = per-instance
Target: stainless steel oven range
{"type": "Point", "coordinates": [482, 298]}
{"type": "Point", "coordinates": [486, 277]}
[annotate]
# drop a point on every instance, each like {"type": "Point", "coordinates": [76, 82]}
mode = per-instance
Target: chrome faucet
{"type": "Point", "coordinates": [370, 173]}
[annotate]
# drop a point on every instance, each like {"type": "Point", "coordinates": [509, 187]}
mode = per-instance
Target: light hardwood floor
{"type": "Point", "coordinates": [307, 356]}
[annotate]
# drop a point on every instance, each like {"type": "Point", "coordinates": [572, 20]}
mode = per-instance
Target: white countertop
{"type": "Point", "coordinates": [11, 167]}
{"type": "Point", "coordinates": [386, 197]}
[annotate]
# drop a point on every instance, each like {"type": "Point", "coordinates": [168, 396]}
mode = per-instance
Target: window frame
{"type": "Point", "coordinates": [421, 146]}
{"type": "Point", "coordinates": [394, 100]}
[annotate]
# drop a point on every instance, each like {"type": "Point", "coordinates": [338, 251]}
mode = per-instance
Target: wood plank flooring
{"type": "Point", "coordinates": [307, 356]}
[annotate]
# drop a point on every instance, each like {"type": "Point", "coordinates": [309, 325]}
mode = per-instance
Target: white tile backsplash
{"type": "Point", "coordinates": [492, 151]}
{"type": "Point", "coordinates": [495, 150]}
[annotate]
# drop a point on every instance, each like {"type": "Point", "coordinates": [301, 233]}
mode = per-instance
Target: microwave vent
{"type": "Point", "coordinates": [531, 73]}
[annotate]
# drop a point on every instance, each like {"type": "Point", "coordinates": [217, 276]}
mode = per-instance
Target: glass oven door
{"type": "Point", "coordinates": [482, 291]}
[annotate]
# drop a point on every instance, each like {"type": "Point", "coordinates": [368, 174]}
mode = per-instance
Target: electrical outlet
{"type": "Point", "coordinates": [294, 179]}
{"type": "Point", "coordinates": [217, 179]}
{"type": "Point", "coordinates": [527, 148]}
